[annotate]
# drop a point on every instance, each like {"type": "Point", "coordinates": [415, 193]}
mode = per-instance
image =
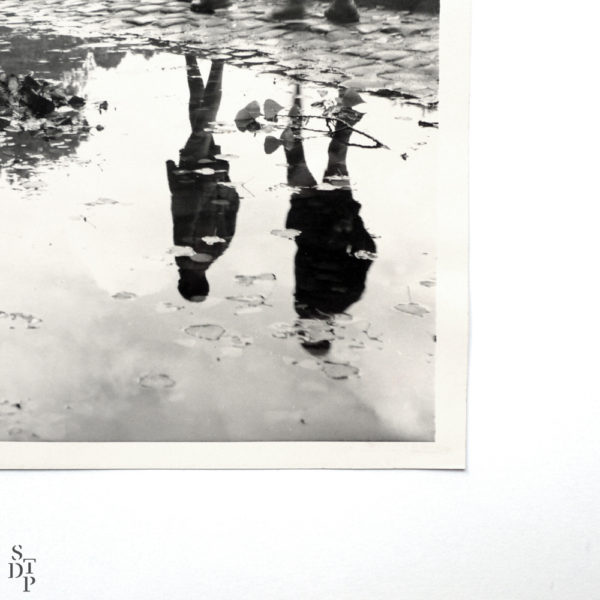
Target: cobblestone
{"type": "Point", "coordinates": [387, 51]}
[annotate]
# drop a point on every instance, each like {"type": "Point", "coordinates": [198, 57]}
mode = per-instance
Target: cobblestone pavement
{"type": "Point", "coordinates": [392, 53]}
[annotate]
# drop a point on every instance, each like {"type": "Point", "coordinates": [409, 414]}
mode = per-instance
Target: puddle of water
{"type": "Point", "coordinates": [287, 264]}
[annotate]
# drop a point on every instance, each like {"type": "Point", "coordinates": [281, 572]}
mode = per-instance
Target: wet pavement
{"type": "Point", "coordinates": [224, 246]}
{"type": "Point", "coordinates": [389, 51]}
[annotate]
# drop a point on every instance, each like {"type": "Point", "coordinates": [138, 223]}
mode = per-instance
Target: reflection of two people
{"type": "Point", "coordinates": [204, 204]}
{"type": "Point", "coordinates": [330, 265]}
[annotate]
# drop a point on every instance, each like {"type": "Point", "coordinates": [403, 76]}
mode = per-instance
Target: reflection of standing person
{"type": "Point", "coordinates": [334, 248]}
{"type": "Point", "coordinates": [204, 204]}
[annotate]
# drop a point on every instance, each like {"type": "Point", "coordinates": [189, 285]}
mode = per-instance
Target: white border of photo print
{"type": "Point", "coordinates": [448, 449]}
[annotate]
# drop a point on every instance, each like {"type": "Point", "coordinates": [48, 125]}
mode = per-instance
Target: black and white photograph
{"type": "Point", "coordinates": [228, 224]}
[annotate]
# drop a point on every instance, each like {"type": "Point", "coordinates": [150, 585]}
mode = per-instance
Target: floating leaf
{"type": "Point", "coordinates": [205, 331]}
{"type": "Point", "coordinates": [205, 171]}
{"type": "Point", "coordinates": [365, 255]}
{"type": "Point", "coordinates": [271, 109]}
{"type": "Point", "coordinates": [202, 257]}
{"type": "Point", "coordinates": [271, 144]}
{"type": "Point", "coordinates": [412, 308]}
{"type": "Point", "coordinates": [351, 98]}
{"type": "Point", "coordinates": [124, 296]}
{"type": "Point", "coordinates": [282, 330]}
{"type": "Point", "coordinates": [245, 122]}
{"type": "Point", "coordinates": [288, 234]}
{"type": "Point", "coordinates": [250, 279]}
{"type": "Point", "coordinates": [428, 283]}
{"type": "Point", "coordinates": [156, 381]}
{"type": "Point", "coordinates": [339, 370]}
{"type": "Point", "coordinates": [101, 201]}
{"type": "Point", "coordinates": [288, 139]}
{"type": "Point", "coordinates": [212, 239]}
{"type": "Point", "coordinates": [314, 331]}
{"type": "Point", "coordinates": [249, 299]}
{"type": "Point", "coordinates": [253, 109]}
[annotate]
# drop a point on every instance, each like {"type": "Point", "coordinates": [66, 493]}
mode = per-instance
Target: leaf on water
{"type": "Point", "coordinates": [212, 239]}
{"type": "Point", "coordinates": [327, 187]}
{"type": "Point", "coordinates": [428, 283]}
{"type": "Point", "coordinates": [250, 112]}
{"type": "Point", "coordinates": [156, 381]}
{"type": "Point", "coordinates": [282, 330]}
{"type": "Point", "coordinates": [271, 144]}
{"type": "Point", "coordinates": [253, 109]}
{"type": "Point", "coordinates": [351, 98]}
{"type": "Point", "coordinates": [201, 257]}
{"type": "Point", "coordinates": [412, 308]}
{"type": "Point", "coordinates": [101, 201]}
{"type": "Point", "coordinates": [124, 296]}
{"type": "Point", "coordinates": [288, 234]}
{"type": "Point", "coordinates": [225, 156]}
{"type": "Point", "coordinates": [205, 331]}
{"type": "Point", "coordinates": [246, 123]}
{"type": "Point", "coordinates": [314, 331]}
{"type": "Point", "coordinates": [288, 139]}
{"type": "Point", "coordinates": [339, 370]}
{"type": "Point", "coordinates": [180, 251]}
{"type": "Point", "coordinates": [205, 171]}
{"type": "Point", "coordinates": [365, 255]}
{"type": "Point", "coordinates": [248, 299]}
{"type": "Point", "coordinates": [250, 279]}
{"type": "Point", "coordinates": [271, 109]}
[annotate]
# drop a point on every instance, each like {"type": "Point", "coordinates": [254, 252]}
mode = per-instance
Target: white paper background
{"type": "Point", "coordinates": [523, 522]}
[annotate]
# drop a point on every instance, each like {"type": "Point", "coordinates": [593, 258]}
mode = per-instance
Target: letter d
{"type": "Point", "coordinates": [12, 570]}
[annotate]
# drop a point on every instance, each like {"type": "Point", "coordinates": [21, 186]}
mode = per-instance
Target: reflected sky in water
{"type": "Point", "coordinates": [187, 285]}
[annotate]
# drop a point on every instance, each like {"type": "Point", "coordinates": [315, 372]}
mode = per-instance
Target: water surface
{"type": "Point", "coordinates": [240, 298]}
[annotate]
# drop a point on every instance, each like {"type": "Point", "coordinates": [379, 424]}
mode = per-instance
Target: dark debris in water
{"type": "Point", "coordinates": [15, 318]}
{"type": "Point", "coordinates": [38, 101]}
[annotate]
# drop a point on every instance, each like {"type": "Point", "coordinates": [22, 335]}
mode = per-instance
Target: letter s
{"type": "Point", "coordinates": [17, 554]}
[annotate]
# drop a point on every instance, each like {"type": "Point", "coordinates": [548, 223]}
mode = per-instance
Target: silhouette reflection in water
{"type": "Point", "coordinates": [335, 250]}
{"type": "Point", "coordinates": [204, 204]}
